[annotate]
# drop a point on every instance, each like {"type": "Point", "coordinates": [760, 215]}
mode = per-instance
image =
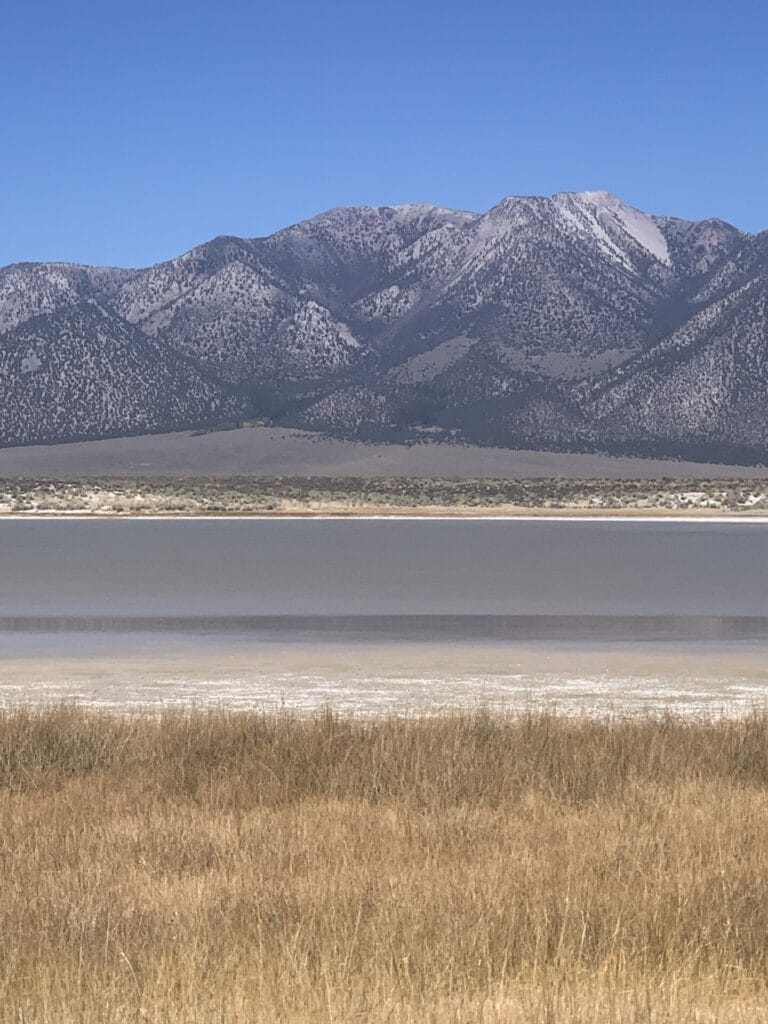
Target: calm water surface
{"type": "Point", "coordinates": [385, 614]}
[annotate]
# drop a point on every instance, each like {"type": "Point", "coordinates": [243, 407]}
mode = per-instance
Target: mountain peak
{"type": "Point", "coordinates": [601, 210]}
{"type": "Point", "coordinates": [569, 320]}
{"type": "Point", "coordinates": [598, 197]}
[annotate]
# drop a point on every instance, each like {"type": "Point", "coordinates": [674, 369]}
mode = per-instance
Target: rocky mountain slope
{"type": "Point", "coordinates": [573, 322]}
{"type": "Point", "coordinates": [83, 372]}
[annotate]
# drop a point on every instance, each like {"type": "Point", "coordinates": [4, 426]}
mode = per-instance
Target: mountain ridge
{"type": "Point", "coordinates": [573, 321]}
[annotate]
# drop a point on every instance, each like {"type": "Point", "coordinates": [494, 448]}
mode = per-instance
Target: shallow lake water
{"type": "Point", "coordinates": [386, 615]}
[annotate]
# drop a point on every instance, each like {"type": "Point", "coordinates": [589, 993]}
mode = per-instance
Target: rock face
{"type": "Point", "coordinates": [573, 321]}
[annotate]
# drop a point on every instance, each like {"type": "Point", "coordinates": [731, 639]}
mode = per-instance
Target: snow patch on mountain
{"type": "Point", "coordinates": [601, 211]}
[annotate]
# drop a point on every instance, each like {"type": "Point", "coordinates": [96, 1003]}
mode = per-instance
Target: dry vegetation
{"type": "Point", "coordinates": [355, 495]}
{"type": "Point", "coordinates": [222, 867]}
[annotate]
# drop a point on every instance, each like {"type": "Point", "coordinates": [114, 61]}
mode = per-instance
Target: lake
{"type": "Point", "coordinates": [376, 615]}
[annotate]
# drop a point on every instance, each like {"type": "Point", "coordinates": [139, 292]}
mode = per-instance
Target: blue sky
{"type": "Point", "coordinates": [133, 131]}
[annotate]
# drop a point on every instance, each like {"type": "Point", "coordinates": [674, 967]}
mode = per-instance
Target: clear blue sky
{"type": "Point", "coordinates": [133, 131]}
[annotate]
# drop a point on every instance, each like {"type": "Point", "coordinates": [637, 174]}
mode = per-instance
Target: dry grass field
{"type": "Point", "coordinates": [224, 867]}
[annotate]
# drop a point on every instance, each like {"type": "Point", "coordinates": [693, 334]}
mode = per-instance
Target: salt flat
{"type": "Point", "coordinates": [369, 678]}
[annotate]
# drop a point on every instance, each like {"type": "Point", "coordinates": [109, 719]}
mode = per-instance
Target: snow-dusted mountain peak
{"type": "Point", "coordinates": [421, 210]}
{"type": "Point", "coordinates": [570, 320]}
{"type": "Point", "coordinates": [603, 210]}
{"type": "Point", "coordinates": [600, 197]}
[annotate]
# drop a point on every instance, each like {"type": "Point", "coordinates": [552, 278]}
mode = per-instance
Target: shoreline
{"type": "Point", "coordinates": [382, 498]}
{"type": "Point", "coordinates": [407, 515]}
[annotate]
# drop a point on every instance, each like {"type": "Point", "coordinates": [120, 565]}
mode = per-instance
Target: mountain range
{"type": "Point", "coordinates": [570, 322]}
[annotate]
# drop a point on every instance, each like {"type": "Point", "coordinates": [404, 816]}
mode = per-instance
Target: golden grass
{"type": "Point", "coordinates": [223, 867]}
